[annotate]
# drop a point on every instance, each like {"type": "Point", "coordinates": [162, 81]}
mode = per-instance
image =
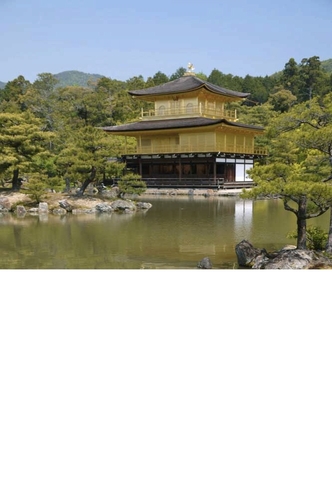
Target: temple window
{"type": "Point", "coordinates": [161, 110]}
{"type": "Point", "coordinates": [189, 108]}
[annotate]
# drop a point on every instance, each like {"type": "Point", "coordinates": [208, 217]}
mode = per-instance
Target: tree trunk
{"type": "Point", "coordinates": [67, 180]}
{"type": "Point", "coordinates": [328, 247]}
{"type": "Point", "coordinates": [16, 182]}
{"type": "Point", "coordinates": [87, 181]}
{"type": "Point", "coordinates": [302, 223]}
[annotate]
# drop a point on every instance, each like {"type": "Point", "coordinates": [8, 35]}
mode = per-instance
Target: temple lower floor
{"type": "Point", "coordinates": [181, 169]}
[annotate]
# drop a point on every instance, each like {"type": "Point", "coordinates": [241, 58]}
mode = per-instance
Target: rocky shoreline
{"type": "Point", "coordinates": [21, 204]}
{"type": "Point", "coordinates": [91, 202]}
{"type": "Point", "coordinates": [288, 258]}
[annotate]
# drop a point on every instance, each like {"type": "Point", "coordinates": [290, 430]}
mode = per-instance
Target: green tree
{"type": "Point", "coordinates": [135, 83]}
{"type": "Point", "coordinates": [216, 77]}
{"type": "Point", "coordinates": [158, 79]}
{"type": "Point", "coordinates": [281, 99]}
{"type": "Point", "coordinates": [78, 107]}
{"type": "Point", "coordinates": [256, 86]}
{"type": "Point", "coordinates": [201, 76]}
{"type": "Point", "coordinates": [22, 140]}
{"type": "Point", "coordinates": [313, 79]}
{"type": "Point", "coordinates": [302, 193]}
{"type": "Point", "coordinates": [40, 97]}
{"type": "Point", "coordinates": [178, 73]}
{"type": "Point", "coordinates": [300, 163]}
{"type": "Point", "coordinates": [290, 78]}
{"type": "Point", "coordinates": [260, 115]}
{"type": "Point", "coordinates": [86, 157]}
{"type": "Point", "coordinates": [37, 185]}
{"type": "Point", "coordinates": [107, 91]}
{"type": "Point", "coordinates": [315, 122]}
{"type": "Point", "coordinates": [12, 96]}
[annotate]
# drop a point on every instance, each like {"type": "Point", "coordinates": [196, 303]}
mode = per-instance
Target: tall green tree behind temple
{"type": "Point", "coordinates": [12, 96]}
{"type": "Point", "coordinates": [314, 80]}
{"type": "Point", "coordinates": [290, 78]}
{"type": "Point", "coordinates": [40, 99]}
{"type": "Point", "coordinates": [306, 80]}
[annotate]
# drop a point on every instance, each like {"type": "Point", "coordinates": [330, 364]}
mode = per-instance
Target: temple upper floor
{"type": "Point", "coordinates": [188, 96]}
{"type": "Point", "coordinates": [188, 107]}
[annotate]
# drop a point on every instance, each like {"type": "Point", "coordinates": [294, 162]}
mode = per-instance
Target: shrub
{"type": "Point", "coordinates": [36, 186]}
{"type": "Point", "coordinates": [316, 238]}
{"type": "Point", "coordinates": [131, 183]}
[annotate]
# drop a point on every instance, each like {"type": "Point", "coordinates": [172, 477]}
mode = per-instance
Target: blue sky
{"type": "Point", "coordinates": [141, 38]}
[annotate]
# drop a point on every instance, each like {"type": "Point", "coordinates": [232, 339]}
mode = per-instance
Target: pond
{"type": "Point", "coordinates": [176, 233]}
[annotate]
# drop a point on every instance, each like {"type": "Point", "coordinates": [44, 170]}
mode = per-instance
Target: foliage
{"type": "Point", "coordinates": [82, 107]}
{"type": "Point", "coordinates": [22, 140]}
{"type": "Point", "coordinates": [300, 162]}
{"type": "Point", "coordinates": [45, 164]}
{"type": "Point", "coordinates": [178, 73]}
{"type": "Point", "coordinates": [39, 99]}
{"type": "Point", "coordinates": [158, 79]}
{"type": "Point", "coordinates": [113, 169]}
{"type": "Point", "coordinates": [260, 115]}
{"type": "Point", "coordinates": [316, 238]}
{"type": "Point", "coordinates": [36, 186]}
{"type": "Point", "coordinates": [131, 183]}
{"type": "Point", "coordinates": [202, 76]}
{"type": "Point", "coordinates": [12, 96]}
{"type": "Point", "coordinates": [282, 100]}
{"type": "Point", "coordinates": [290, 77]}
{"type": "Point", "coordinates": [327, 65]}
{"type": "Point", "coordinates": [307, 79]}
{"type": "Point", "coordinates": [225, 80]}
{"type": "Point", "coordinates": [86, 150]}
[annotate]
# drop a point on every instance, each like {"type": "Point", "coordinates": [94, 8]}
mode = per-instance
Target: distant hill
{"type": "Point", "coordinates": [76, 78]}
{"type": "Point", "coordinates": [2, 85]}
{"type": "Point", "coordinates": [327, 65]}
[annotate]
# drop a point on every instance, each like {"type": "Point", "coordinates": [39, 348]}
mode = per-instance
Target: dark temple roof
{"type": "Point", "coordinates": [183, 85]}
{"type": "Point", "coordinates": [168, 124]}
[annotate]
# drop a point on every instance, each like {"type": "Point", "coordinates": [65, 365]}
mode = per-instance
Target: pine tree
{"type": "Point", "coordinates": [22, 140]}
{"type": "Point", "coordinates": [87, 156]}
{"type": "Point", "coordinates": [300, 163]}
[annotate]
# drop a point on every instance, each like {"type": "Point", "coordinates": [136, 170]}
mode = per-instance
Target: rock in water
{"type": "Point", "coordinates": [205, 264]}
{"type": "Point", "coordinates": [246, 253]}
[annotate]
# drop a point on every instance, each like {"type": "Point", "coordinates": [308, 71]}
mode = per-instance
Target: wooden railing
{"type": "Point", "coordinates": [193, 111]}
{"type": "Point", "coordinates": [190, 149]}
{"type": "Point", "coordinates": [185, 182]}
{"type": "Point", "coordinates": [195, 182]}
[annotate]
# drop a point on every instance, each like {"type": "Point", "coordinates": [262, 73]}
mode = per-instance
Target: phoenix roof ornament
{"type": "Point", "coordinates": [190, 67]}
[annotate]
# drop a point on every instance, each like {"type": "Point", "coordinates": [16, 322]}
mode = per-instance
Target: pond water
{"type": "Point", "coordinates": [176, 233]}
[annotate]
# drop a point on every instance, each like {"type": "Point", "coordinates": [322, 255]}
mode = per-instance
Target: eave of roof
{"type": "Point", "coordinates": [169, 124]}
{"type": "Point", "coordinates": [183, 85]}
